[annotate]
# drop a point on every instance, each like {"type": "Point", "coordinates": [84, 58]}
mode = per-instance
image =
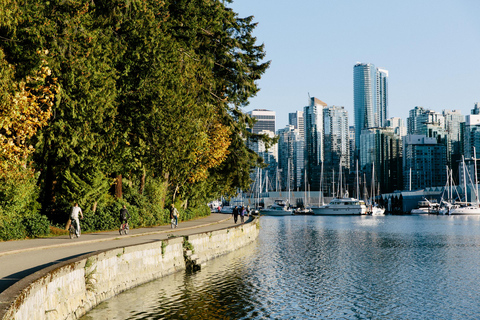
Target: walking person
{"type": "Point", "coordinates": [235, 214]}
{"type": "Point", "coordinates": [174, 215]}
{"type": "Point", "coordinates": [76, 211]}
{"type": "Point", "coordinates": [242, 214]}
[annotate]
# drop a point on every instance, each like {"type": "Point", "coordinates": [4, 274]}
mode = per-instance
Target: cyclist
{"type": "Point", "coordinates": [76, 211]}
{"type": "Point", "coordinates": [124, 215]}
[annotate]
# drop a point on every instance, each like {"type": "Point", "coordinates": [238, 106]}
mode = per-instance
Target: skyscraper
{"type": "Point", "coordinates": [290, 158]}
{"type": "Point", "coordinates": [296, 119]}
{"type": "Point", "coordinates": [370, 98]}
{"type": "Point", "coordinates": [336, 132]}
{"type": "Point", "coordinates": [265, 120]}
{"type": "Point", "coordinates": [382, 97]}
{"type": "Point", "coordinates": [313, 117]}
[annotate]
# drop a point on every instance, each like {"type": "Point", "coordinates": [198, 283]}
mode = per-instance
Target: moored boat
{"type": "Point", "coordinates": [342, 206]}
{"type": "Point", "coordinates": [279, 208]}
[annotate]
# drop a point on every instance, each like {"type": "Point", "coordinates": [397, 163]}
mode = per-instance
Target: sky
{"type": "Point", "coordinates": [431, 49]}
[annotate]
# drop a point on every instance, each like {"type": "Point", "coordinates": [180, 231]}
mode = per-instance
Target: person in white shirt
{"type": "Point", "coordinates": [76, 211]}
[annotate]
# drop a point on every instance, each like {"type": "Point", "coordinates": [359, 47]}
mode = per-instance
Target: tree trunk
{"type": "Point", "coordinates": [142, 182]}
{"type": "Point", "coordinates": [118, 187]}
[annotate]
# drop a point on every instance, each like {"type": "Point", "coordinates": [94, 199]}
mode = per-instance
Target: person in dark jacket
{"type": "Point", "coordinates": [124, 215]}
{"type": "Point", "coordinates": [235, 214]}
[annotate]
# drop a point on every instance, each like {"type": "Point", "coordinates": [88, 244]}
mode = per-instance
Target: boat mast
{"type": "Point", "coordinates": [464, 179]}
{"type": "Point", "coordinates": [321, 186]}
{"type": "Point", "coordinates": [475, 166]}
{"type": "Point", "coordinates": [333, 183]}
{"type": "Point", "coordinates": [358, 182]}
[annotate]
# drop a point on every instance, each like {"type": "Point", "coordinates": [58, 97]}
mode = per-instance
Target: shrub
{"type": "Point", "coordinates": [36, 225]}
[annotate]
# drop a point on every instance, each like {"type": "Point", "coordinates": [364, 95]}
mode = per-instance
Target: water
{"type": "Point", "coordinates": [313, 267]}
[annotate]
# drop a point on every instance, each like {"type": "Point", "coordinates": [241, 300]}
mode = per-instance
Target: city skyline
{"type": "Point", "coordinates": [428, 47]}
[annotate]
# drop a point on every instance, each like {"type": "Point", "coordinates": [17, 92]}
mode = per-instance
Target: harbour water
{"type": "Point", "coordinates": [326, 267]}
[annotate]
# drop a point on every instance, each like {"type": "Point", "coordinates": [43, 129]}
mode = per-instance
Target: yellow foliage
{"type": "Point", "coordinates": [26, 109]}
{"type": "Point", "coordinates": [211, 151]}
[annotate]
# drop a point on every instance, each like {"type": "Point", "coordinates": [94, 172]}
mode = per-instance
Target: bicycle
{"type": "Point", "coordinates": [124, 228]}
{"type": "Point", "coordinates": [72, 230]}
{"type": "Point", "coordinates": [173, 224]}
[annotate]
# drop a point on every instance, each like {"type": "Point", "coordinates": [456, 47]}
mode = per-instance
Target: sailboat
{"type": "Point", "coordinates": [470, 208]}
{"type": "Point", "coordinates": [280, 207]}
{"type": "Point", "coordinates": [375, 210]}
{"type": "Point", "coordinates": [343, 205]}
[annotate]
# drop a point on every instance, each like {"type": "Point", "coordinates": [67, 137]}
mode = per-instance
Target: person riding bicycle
{"type": "Point", "coordinates": [76, 211]}
{"type": "Point", "coordinates": [124, 215]}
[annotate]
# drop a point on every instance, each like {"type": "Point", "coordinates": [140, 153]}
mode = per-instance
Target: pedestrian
{"type": "Point", "coordinates": [242, 214]}
{"type": "Point", "coordinates": [235, 214]}
{"type": "Point", "coordinates": [76, 211]}
{"type": "Point", "coordinates": [174, 214]}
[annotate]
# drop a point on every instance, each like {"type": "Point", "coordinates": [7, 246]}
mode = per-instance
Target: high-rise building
{"type": "Point", "coordinates": [314, 150]}
{"type": "Point", "coordinates": [290, 158]}
{"type": "Point", "coordinates": [370, 98]}
{"type": "Point", "coordinates": [336, 142]}
{"type": "Point", "coordinates": [296, 120]}
{"type": "Point", "coordinates": [472, 140]}
{"type": "Point", "coordinates": [424, 162]}
{"type": "Point", "coordinates": [382, 97]}
{"type": "Point", "coordinates": [454, 125]}
{"type": "Point", "coordinates": [265, 120]}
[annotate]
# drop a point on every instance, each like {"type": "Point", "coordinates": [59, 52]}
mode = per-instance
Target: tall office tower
{"type": "Point", "coordinates": [412, 119]}
{"type": "Point", "coordinates": [313, 117]}
{"type": "Point", "coordinates": [296, 119]}
{"type": "Point", "coordinates": [265, 125]}
{"type": "Point", "coordinates": [270, 156]}
{"type": "Point", "coordinates": [370, 97]}
{"type": "Point", "coordinates": [290, 158]}
{"type": "Point", "coordinates": [454, 122]}
{"type": "Point", "coordinates": [382, 150]}
{"type": "Point", "coordinates": [398, 125]}
{"type": "Point", "coordinates": [424, 162]}
{"type": "Point", "coordinates": [472, 140]}
{"type": "Point", "coordinates": [382, 97]}
{"type": "Point", "coordinates": [336, 142]}
{"type": "Point", "coordinates": [265, 120]}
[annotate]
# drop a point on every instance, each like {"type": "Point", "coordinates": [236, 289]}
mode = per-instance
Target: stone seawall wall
{"type": "Point", "coordinates": [69, 289]}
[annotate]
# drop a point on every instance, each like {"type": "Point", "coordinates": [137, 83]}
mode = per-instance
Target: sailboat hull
{"type": "Point", "coordinates": [472, 210]}
{"type": "Point", "coordinates": [341, 207]}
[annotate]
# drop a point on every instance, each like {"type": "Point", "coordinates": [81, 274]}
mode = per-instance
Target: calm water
{"type": "Point", "coordinates": [307, 267]}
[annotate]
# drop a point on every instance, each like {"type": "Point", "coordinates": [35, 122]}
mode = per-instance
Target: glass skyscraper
{"type": "Point", "coordinates": [370, 98]}
{"type": "Point", "coordinates": [314, 150]}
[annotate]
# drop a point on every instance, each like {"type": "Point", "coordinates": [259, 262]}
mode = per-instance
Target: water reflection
{"type": "Point", "coordinates": [307, 267]}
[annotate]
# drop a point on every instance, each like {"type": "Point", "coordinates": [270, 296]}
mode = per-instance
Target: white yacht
{"type": "Point", "coordinates": [279, 208]}
{"type": "Point", "coordinates": [473, 209]}
{"type": "Point", "coordinates": [342, 206]}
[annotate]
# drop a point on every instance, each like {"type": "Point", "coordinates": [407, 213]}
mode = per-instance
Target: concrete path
{"type": "Point", "coordinates": [23, 257]}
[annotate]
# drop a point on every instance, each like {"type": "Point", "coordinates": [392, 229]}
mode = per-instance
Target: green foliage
{"type": "Point", "coordinates": [36, 225]}
{"type": "Point", "coordinates": [12, 228]}
{"type": "Point", "coordinates": [146, 88]}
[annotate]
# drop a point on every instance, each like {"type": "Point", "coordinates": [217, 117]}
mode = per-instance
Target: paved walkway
{"type": "Point", "coordinates": [23, 257]}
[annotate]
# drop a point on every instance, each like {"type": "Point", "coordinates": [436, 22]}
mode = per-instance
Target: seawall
{"type": "Point", "coordinates": [70, 289]}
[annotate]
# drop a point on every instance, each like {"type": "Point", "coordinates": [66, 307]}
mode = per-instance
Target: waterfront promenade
{"type": "Point", "coordinates": [21, 258]}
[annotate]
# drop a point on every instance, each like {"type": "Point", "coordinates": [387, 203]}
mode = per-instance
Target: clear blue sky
{"type": "Point", "coordinates": [431, 49]}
